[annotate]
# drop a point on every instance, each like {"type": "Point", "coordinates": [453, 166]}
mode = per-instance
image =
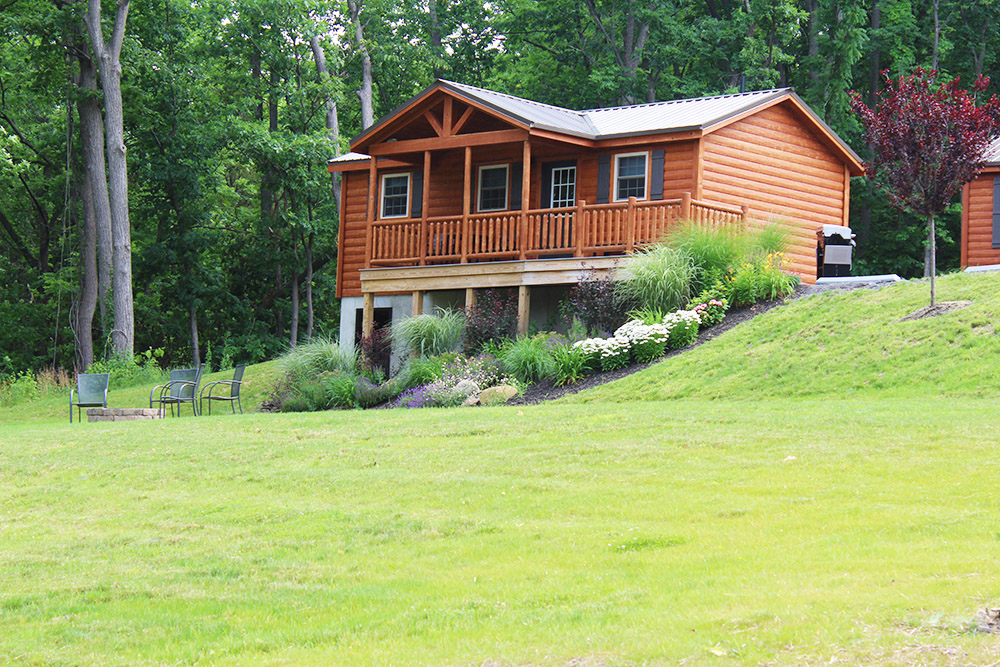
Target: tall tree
{"type": "Point", "coordinates": [108, 56]}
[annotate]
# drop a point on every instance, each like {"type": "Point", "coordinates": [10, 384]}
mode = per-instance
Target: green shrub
{"type": "Point", "coordinates": [771, 239]}
{"type": "Point", "coordinates": [711, 304]}
{"type": "Point", "coordinates": [130, 371]}
{"type": "Point", "coordinates": [760, 280]}
{"type": "Point", "coordinates": [430, 335]}
{"type": "Point", "coordinates": [304, 393]}
{"type": "Point", "coordinates": [569, 365]}
{"type": "Point", "coordinates": [419, 371]}
{"type": "Point", "coordinates": [660, 278]}
{"type": "Point", "coordinates": [320, 355]}
{"type": "Point", "coordinates": [368, 393]}
{"type": "Point", "coordinates": [647, 315]}
{"type": "Point", "coordinates": [339, 389]}
{"type": "Point", "coordinates": [21, 388]}
{"type": "Point", "coordinates": [712, 250]}
{"type": "Point", "coordinates": [527, 359]}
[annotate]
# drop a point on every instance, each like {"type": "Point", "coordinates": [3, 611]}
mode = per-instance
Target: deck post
{"type": "Point", "coordinates": [525, 192]}
{"type": "Point", "coordinates": [418, 303]}
{"type": "Point", "coordinates": [686, 206]}
{"type": "Point", "coordinates": [579, 228]}
{"type": "Point", "coordinates": [630, 225]}
{"type": "Point", "coordinates": [745, 218]}
{"type": "Point", "coordinates": [470, 298]}
{"type": "Point", "coordinates": [368, 315]}
{"type": "Point", "coordinates": [425, 202]}
{"type": "Point", "coordinates": [523, 309]}
{"type": "Point", "coordinates": [466, 203]}
{"type": "Point", "coordinates": [369, 222]}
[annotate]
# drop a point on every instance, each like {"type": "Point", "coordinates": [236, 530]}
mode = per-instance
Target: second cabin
{"type": "Point", "coordinates": [463, 188]}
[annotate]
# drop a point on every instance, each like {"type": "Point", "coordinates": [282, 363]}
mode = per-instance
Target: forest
{"type": "Point", "coordinates": [222, 114]}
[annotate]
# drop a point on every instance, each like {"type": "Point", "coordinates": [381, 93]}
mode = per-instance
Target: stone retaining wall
{"type": "Point", "coordinates": [122, 414]}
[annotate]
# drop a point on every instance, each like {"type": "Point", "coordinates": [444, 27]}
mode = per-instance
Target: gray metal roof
{"type": "Point", "coordinates": [674, 116]}
{"type": "Point", "coordinates": [678, 115]}
{"type": "Point", "coordinates": [992, 156]}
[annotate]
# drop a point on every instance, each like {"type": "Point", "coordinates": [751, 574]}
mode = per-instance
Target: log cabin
{"type": "Point", "coordinates": [980, 245]}
{"type": "Point", "coordinates": [463, 188]}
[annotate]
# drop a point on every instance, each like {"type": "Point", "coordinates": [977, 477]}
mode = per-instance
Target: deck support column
{"type": "Point", "coordinates": [418, 303]}
{"type": "Point", "coordinates": [522, 241]}
{"type": "Point", "coordinates": [372, 199]}
{"type": "Point", "coordinates": [579, 227]}
{"type": "Point", "coordinates": [523, 309]}
{"type": "Point", "coordinates": [470, 297]}
{"type": "Point", "coordinates": [424, 205]}
{"type": "Point", "coordinates": [368, 315]}
{"type": "Point", "coordinates": [466, 203]}
{"type": "Point", "coordinates": [686, 207]}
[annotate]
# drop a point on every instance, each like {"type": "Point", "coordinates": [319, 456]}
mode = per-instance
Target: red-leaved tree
{"type": "Point", "coordinates": [928, 139]}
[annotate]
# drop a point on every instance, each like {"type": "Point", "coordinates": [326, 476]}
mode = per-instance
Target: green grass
{"type": "Point", "coordinates": [645, 533]}
{"type": "Point", "coordinates": [854, 526]}
{"type": "Point", "coordinates": [841, 344]}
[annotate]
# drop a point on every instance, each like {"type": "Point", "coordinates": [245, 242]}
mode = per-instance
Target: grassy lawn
{"type": "Point", "coordinates": [816, 486]}
{"type": "Point", "coordinates": [779, 532]}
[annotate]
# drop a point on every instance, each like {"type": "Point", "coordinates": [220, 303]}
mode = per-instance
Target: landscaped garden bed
{"type": "Point", "coordinates": [672, 293]}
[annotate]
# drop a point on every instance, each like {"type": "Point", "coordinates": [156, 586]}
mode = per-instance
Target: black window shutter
{"type": "Point", "coordinates": [516, 172]}
{"type": "Point", "coordinates": [417, 194]}
{"type": "Point", "coordinates": [656, 175]}
{"type": "Point", "coordinates": [546, 193]}
{"type": "Point", "coordinates": [996, 212]}
{"type": "Point", "coordinates": [603, 178]}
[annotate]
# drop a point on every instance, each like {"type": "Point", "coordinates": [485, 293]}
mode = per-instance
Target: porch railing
{"type": "Point", "coordinates": [584, 230]}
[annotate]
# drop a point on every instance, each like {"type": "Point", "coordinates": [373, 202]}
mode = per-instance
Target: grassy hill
{"type": "Point", "coordinates": [840, 344]}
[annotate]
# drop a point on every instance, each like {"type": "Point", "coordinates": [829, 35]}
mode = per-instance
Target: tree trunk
{"type": "Point", "coordinates": [83, 323]}
{"type": "Point", "coordinates": [437, 53]}
{"type": "Point", "coordinates": [293, 337]}
{"type": "Point", "coordinates": [936, 42]}
{"type": "Point", "coordinates": [109, 68]}
{"type": "Point", "coordinates": [365, 93]}
{"type": "Point", "coordinates": [195, 349]}
{"type": "Point", "coordinates": [931, 264]}
{"type": "Point", "coordinates": [332, 120]}
{"type": "Point", "coordinates": [812, 39]}
{"type": "Point", "coordinates": [875, 64]}
{"type": "Point", "coordinates": [309, 285]}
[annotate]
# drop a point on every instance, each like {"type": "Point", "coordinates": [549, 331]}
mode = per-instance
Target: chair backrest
{"type": "Point", "coordinates": [234, 389]}
{"type": "Point", "coordinates": [92, 387]}
{"type": "Point", "coordinates": [183, 375]}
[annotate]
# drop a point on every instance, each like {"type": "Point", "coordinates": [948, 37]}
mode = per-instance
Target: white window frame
{"type": "Point", "coordinates": [614, 181]}
{"type": "Point", "coordinates": [553, 186]}
{"type": "Point", "coordinates": [409, 192]}
{"type": "Point", "coordinates": [479, 188]}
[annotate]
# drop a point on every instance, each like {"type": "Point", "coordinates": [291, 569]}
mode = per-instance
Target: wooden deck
{"type": "Point", "coordinates": [586, 230]}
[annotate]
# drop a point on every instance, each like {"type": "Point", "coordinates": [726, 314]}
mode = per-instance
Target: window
{"type": "Point", "coordinates": [493, 187]}
{"type": "Point", "coordinates": [563, 187]}
{"type": "Point", "coordinates": [395, 195]}
{"type": "Point", "coordinates": [630, 176]}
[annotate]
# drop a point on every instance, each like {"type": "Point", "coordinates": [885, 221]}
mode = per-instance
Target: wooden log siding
{"type": "Point", "coordinates": [772, 163]}
{"type": "Point", "coordinates": [978, 208]}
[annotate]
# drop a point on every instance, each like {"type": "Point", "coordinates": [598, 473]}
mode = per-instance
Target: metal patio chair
{"type": "Point", "coordinates": [182, 388]}
{"type": "Point", "coordinates": [234, 391]}
{"type": "Point", "coordinates": [91, 392]}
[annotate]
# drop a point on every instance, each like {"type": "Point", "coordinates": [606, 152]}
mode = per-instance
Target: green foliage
{"type": "Point", "coordinates": [420, 370]}
{"type": "Point", "coordinates": [758, 280]}
{"type": "Point", "coordinates": [21, 388]}
{"type": "Point", "coordinates": [430, 335]}
{"type": "Point", "coordinates": [712, 250]}
{"type": "Point", "coordinates": [528, 359]}
{"type": "Point", "coordinates": [142, 368]}
{"type": "Point", "coordinates": [340, 388]}
{"type": "Point", "coordinates": [320, 355]}
{"type": "Point", "coordinates": [659, 277]}
{"type": "Point", "coordinates": [647, 315]}
{"type": "Point", "coordinates": [569, 364]}
{"type": "Point", "coordinates": [301, 393]}
{"type": "Point", "coordinates": [771, 239]}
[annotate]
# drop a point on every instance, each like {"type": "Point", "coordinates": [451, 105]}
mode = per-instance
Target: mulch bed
{"type": "Point", "coordinates": [935, 310]}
